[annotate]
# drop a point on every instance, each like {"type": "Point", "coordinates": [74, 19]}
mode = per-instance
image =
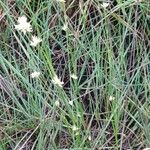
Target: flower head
{"type": "Point", "coordinates": [35, 41]}
{"type": "Point", "coordinates": [105, 5]}
{"type": "Point", "coordinates": [74, 128]}
{"type": "Point", "coordinates": [111, 98]}
{"type": "Point", "coordinates": [35, 74]}
{"type": "Point", "coordinates": [23, 25]}
{"type": "Point", "coordinates": [78, 115]}
{"type": "Point", "coordinates": [89, 138]}
{"type": "Point", "coordinates": [61, 1]}
{"type": "Point", "coordinates": [77, 133]}
{"type": "Point", "coordinates": [138, 0]}
{"type": "Point", "coordinates": [57, 81]}
{"type": "Point", "coordinates": [73, 76]}
{"type": "Point", "coordinates": [57, 103]}
{"type": "Point", "coordinates": [65, 27]}
{"type": "Point", "coordinates": [71, 103]}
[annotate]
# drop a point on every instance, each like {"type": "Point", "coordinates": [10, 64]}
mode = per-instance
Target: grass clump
{"type": "Point", "coordinates": [74, 74]}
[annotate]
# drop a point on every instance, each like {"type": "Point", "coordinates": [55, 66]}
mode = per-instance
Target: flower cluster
{"type": "Point", "coordinates": [25, 26]}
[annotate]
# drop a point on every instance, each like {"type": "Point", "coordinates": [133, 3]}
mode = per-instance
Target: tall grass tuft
{"type": "Point", "coordinates": [80, 79]}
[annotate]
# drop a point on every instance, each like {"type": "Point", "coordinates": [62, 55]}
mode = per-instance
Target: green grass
{"type": "Point", "coordinates": [108, 49]}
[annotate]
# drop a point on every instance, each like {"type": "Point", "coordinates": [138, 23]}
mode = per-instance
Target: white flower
{"type": "Point", "coordinates": [35, 74]}
{"type": "Point", "coordinates": [61, 1]}
{"type": "Point", "coordinates": [73, 76]}
{"type": "Point", "coordinates": [138, 0]}
{"type": "Point", "coordinates": [65, 27]}
{"type": "Point", "coordinates": [89, 138]}
{"type": "Point", "coordinates": [78, 115]}
{"type": "Point", "coordinates": [23, 25]}
{"type": "Point", "coordinates": [105, 5]}
{"type": "Point", "coordinates": [146, 149]}
{"type": "Point", "coordinates": [35, 41]}
{"type": "Point", "coordinates": [71, 103]}
{"type": "Point", "coordinates": [111, 98]}
{"type": "Point", "coordinates": [74, 128]}
{"type": "Point", "coordinates": [57, 81]}
{"type": "Point", "coordinates": [77, 133]}
{"type": "Point", "coordinates": [57, 103]}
